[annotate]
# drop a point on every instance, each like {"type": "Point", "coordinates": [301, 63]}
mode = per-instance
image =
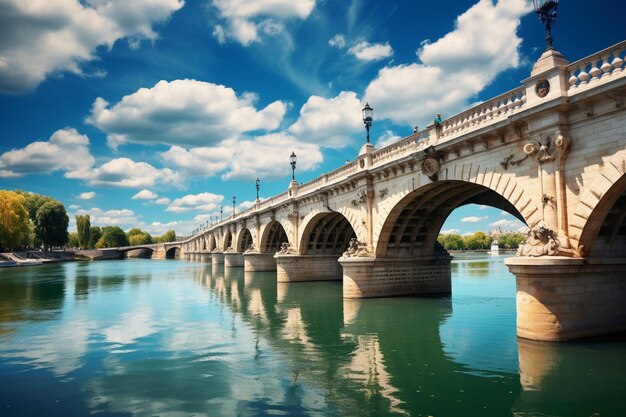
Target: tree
{"type": "Point", "coordinates": [33, 202]}
{"type": "Point", "coordinates": [478, 240]}
{"type": "Point", "coordinates": [82, 228]}
{"type": "Point", "coordinates": [72, 240]}
{"type": "Point", "coordinates": [112, 237]}
{"type": "Point", "coordinates": [451, 241]}
{"type": "Point", "coordinates": [14, 224]}
{"type": "Point", "coordinates": [51, 224]}
{"type": "Point", "coordinates": [138, 237]}
{"type": "Point", "coordinates": [95, 233]}
{"type": "Point", "coordinates": [169, 236]}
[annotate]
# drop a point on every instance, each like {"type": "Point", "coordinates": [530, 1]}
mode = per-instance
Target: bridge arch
{"type": "Point", "coordinates": [273, 235]}
{"type": "Point", "coordinates": [227, 240]}
{"type": "Point", "coordinates": [601, 214]}
{"type": "Point", "coordinates": [243, 240]}
{"type": "Point", "coordinates": [172, 253]}
{"type": "Point", "coordinates": [413, 224]}
{"type": "Point", "coordinates": [327, 233]}
{"type": "Point", "coordinates": [210, 239]}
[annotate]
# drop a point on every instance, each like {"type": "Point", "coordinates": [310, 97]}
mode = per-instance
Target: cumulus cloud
{"type": "Point", "coordinates": [87, 195]}
{"type": "Point", "coordinates": [162, 201]}
{"type": "Point", "coordinates": [473, 219]}
{"type": "Point", "coordinates": [449, 231]}
{"type": "Point", "coordinates": [126, 173]}
{"type": "Point", "coordinates": [183, 112]}
{"type": "Point", "coordinates": [50, 156]}
{"type": "Point", "coordinates": [246, 20]}
{"type": "Point", "coordinates": [39, 37]}
{"type": "Point", "coordinates": [201, 161]}
{"type": "Point", "coordinates": [338, 41]}
{"type": "Point", "coordinates": [144, 194]}
{"type": "Point", "coordinates": [202, 201]}
{"type": "Point", "coordinates": [386, 139]}
{"type": "Point", "coordinates": [121, 217]}
{"type": "Point", "coordinates": [366, 51]}
{"type": "Point", "coordinates": [454, 68]}
{"type": "Point", "coordinates": [329, 122]}
{"type": "Point", "coordinates": [506, 224]}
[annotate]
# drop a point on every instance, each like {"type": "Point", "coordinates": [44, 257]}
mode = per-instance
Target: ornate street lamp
{"type": "Point", "coordinates": [258, 185]}
{"type": "Point", "coordinates": [292, 162]}
{"type": "Point", "coordinates": [234, 200]}
{"type": "Point", "coordinates": [368, 118]}
{"type": "Point", "coordinates": [546, 10]}
{"type": "Point", "coordinates": [221, 213]}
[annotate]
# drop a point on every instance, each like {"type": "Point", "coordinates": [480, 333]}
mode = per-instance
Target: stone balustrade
{"type": "Point", "coordinates": [604, 65]}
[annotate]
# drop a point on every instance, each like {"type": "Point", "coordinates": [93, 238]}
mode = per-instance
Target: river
{"type": "Point", "coordinates": [174, 338]}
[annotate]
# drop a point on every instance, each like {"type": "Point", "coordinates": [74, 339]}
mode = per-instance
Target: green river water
{"type": "Point", "coordinates": [175, 338]}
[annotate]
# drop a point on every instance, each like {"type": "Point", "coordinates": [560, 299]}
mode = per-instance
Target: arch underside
{"type": "Point", "coordinates": [413, 226]}
{"type": "Point", "coordinates": [245, 240]}
{"type": "Point", "coordinates": [172, 253]}
{"type": "Point", "coordinates": [330, 235]}
{"type": "Point", "coordinates": [274, 238]}
{"type": "Point", "coordinates": [604, 235]}
{"type": "Point", "coordinates": [228, 240]}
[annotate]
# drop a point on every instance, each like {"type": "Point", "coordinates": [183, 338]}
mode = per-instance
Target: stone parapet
{"type": "Point", "coordinates": [376, 277]}
{"type": "Point", "coordinates": [232, 259]}
{"type": "Point", "coordinates": [255, 261]}
{"type": "Point", "coordinates": [295, 268]}
{"type": "Point", "coordinates": [561, 298]}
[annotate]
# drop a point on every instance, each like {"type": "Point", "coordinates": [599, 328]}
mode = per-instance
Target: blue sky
{"type": "Point", "coordinates": [154, 113]}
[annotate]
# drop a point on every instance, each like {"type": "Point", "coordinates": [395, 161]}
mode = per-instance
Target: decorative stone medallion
{"type": "Point", "coordinates": [430, 166]}
{"type": "Point", "coordinates": [542, 88]}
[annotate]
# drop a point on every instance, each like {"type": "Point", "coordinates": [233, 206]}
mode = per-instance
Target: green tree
{"type": "Point", "coordinates": [83, 225]}
{"type": "Point", "coordinates": [477, 241]}
{"type": "Point", "coordinates": [112, 237]}
{"type": "Point", "coordinates": [451, 241]}
{"type": "Point", "coordinates": [95, 233]}
{"type": "Point", "coordinates": [51, 224]}
{"type": "Point", "coordinates": [33, 202]}
{"type": "Point", "coordinates": [72, 240]}
{"type": "Point", "coordinates": [138, 237]}
{"type": "Point", "coordinates": [14, 224]}
{"type": "Point", "coordinates": [169, 236]}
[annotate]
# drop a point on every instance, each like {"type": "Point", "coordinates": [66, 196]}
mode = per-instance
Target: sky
{"type": "Point", "coordinates": [155, 113]}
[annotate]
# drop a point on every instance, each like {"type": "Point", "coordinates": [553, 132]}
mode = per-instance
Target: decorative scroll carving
{"type": "Point", "coordinates": [543, 241]}
{"type": "Point", "coordinates": [430, 167]}
{"type": "Point", "coordinates": [357, 249]}
{"type": "Point", "coordinates": [548, 149]}
{"type": "Point", "coordinates": [286, 249]}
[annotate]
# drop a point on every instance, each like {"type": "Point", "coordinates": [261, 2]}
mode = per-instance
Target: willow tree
{"type": "Point", "coordinates": [14, 223]}
{"type": "Point", "coordinates": [83, 226]}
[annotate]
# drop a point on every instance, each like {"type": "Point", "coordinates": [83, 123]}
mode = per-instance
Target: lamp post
{"type": "Point", "coordinates": [292, 162]}
{"type": "Point", "coordinates": [368, 118]}
{"type": "Point", "coordinates": [546, 10]}
{"type": "Point", "coordinates": [258, 185]}
{"type": "Point", "coordinates": [234, 200]}
{"type": "Point", "coordinates": [221, 213]}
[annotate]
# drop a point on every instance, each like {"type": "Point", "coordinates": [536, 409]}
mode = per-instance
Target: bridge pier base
{"type": "Point", "coordinates": [386, 277]}
{"type": "Point", "coordinates": [561, 298]}
{"type": "Point", "coordinates": [255, 261]}
{"type": "Point", "coordinates": [205, 257]}
{"type": "Point", "coordinates": [232, 259]}
{"type": "Point", "coordinates": [295, 268]}
{"type": "Point", "coordinates": [217, 258]}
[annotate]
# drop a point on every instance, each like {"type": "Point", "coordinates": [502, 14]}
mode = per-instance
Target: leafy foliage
{"type": "Point", "coordinates": [14, 224]}
{"type": "Point", "coordinates": [83, 225]}
{"type": "Point", "coordinates": [112, 237]}
{"type": "Point", "coordinates": [95, 233]}
{"type": "Point", "coordinates": [169, 236]}
{"type": "Point", "coordinates": [480, 241]}
{"type": "Point", "coordinates": [138, 237]}
{"type": "Point", "coordinates": [51, 224]}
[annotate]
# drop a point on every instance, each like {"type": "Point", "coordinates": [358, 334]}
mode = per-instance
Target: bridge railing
{"type": "Point", "coordinates": [599, 67]}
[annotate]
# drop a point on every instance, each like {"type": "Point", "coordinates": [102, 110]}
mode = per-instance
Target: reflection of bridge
{"type": "Point", "coordinates": [170, 250]}
{"type": "Point", "coordinates": [554, 158]}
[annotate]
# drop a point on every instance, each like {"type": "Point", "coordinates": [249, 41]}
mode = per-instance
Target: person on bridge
{"type": "Point", "coordinates": [437, 120]}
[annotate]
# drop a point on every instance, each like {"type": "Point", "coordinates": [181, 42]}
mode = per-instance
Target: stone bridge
{"type": "Point", "coordinates": [170, 250]}
{"type": "Point", "coordinates": [551, 152]}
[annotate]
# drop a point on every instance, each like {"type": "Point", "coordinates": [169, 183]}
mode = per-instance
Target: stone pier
{"type": "Point", "coordinates": [256, 261]}
{"type": "Point", "coordinates": [205, 257]}
{"type": "Point", "coordinates": [217, 258]}
{"type": "Point", "coordinates": [295, 268]}
{"type": "Point", "coordinates": [232, 259]}
{"type": "Point", "coordinates": [560, 298]}
{"type": "Point", "coordinates": [371, 277]}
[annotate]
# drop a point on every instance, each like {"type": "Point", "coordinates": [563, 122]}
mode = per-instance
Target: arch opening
{"type": "Point", "coordinates": [412, 227]}
{"type": "Point", "coordinates": [327, 234]}
{"type": "Point", "coordinates": [212, 244]}
{"type": "Point", "coordinates": [228, 241]}
{"type": "Point", "coordinates": [245, 240]}
{"type": "Point", "coordinates": [172, 253]}
{"type": "Point", "coordinates": [604, 234]}
{"type": "Point", "coordinates": [273, 238]}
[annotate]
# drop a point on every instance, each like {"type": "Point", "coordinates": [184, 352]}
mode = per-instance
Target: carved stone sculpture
{"type": "Point", "coordinates": [543, 241]}
{"type": "Point", "coordinates": [286, 249]}
{"type": "Point", "coordinates": [357, 249]}
{"type": "Point", "coordinates": [251, 248]}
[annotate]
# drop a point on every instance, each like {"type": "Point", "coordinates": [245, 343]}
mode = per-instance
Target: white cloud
{"type": "Point", "coordinates": [121, 217]}
{"type": "Point", "coordinates": [449, 231]}
{"type": "Point", "coordinates": [87, 195]}
{"type": "Point", "coordinates": [50, 156]}
{"type": "Point", "coordinates": [507, 224]}
{"type": "Point", "coordinates": [387, 138]}
{"type": "Point", "coordinates": [244, 19]}
{"type": "Point", "coordinates": [202, 201]}
{"type": "Point", "coordinates": [74, 206]}
{"type": "Point", "coordinates": [454, 68]}
{"type": "Point", "coordinates": [162, 201]}
{"type": "Point", "coordinates": [366, 51]}
{"type": "Point", "coordinates": [473, 219]}
{"type": "Point", "coordinates": [145, 194]}
{"type": "Point", "coordinates": [268, 157]}
{"type": "Point", "coordinates": [338, 41]}
{"type": "Point", "coordinates": [329, 122]}
{"type": "Point", "coordinates": [42, 37]}
{"type": "Point", "coordinates": [201, 161]}
{"type": "Point", "coordinates": [126, 173]}
{"type": "Point", "coordinates": [183, 112]}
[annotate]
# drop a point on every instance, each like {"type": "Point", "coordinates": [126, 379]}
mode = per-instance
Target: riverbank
{"type": "Point", "coordinates": [31, 258]}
